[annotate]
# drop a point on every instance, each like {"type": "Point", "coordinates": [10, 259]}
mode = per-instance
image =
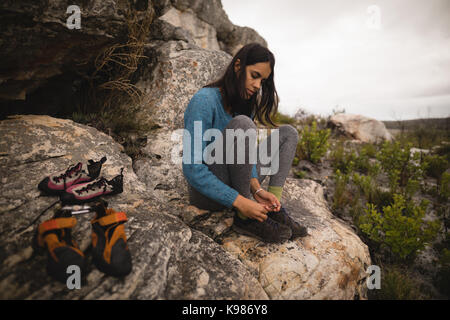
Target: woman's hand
{"type": "Point", "coordinates": [268, 200]}
{"type": "Point", "coordinates": [250, 208]}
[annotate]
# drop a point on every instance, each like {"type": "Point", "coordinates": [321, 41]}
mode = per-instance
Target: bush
{"type": "Point", "coordinates": [281, 118]}
{"type": "Point", "coordinates": [300, 174]}
{"type": "Point", "coordinates": [366, 185]}
{"type": "Point", "coordinates": [341, 197]}
{"type": "Point", "coordinates": [313, 143]}
{"type": "Point", "coordinates": [436, 166]}
{"type": "Point", "coordinates": [342, 160]}
{"type": "Point", "coordinates": [397, 284]}
{"type": "Point", "coordinates": [442, 279]}
{"type": "Point", "coordinates": [362, 163]}
{"type": "Point", "coordinates": [400, 227]}
{"type": "Point", "coordinates": [403, 169]}
{"type": "Point", "coordinates": [370, 150]}
{"type": "Point", "coordinates": [123, 124]}
{"type": "Point", "coordinates": [444, 188]}
{"type": "Point", "coordinates": [347, 161]}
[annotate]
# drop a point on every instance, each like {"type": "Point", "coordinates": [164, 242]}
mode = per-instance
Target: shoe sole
{"type": "Point", "coordinates": [248, 233]}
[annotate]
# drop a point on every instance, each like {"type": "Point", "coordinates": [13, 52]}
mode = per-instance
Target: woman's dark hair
{"type": "Point", "coordinates": [262, 105]}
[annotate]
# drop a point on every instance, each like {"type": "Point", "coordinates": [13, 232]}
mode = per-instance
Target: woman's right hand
{"type": "Point", "coordinates": [250, 208]}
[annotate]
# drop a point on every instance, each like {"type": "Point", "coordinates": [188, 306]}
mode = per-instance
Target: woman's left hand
{"type": "Point", "coordinates": [268, 200]}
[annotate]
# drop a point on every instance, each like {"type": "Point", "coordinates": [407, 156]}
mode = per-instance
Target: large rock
{"type": "Point", "coordinates": [37, 44]}
{"type": "Point", "coordinates": [329, 263]}
{"type": "Point", "coordinates": [204, 34]}
{"type": "Point", "coordinates": [175, 73]}
{"type": "Point", "coordinates": [159, 170]}
{"type": "Point", "coordinates": [172, 243]}
{"type": "Point", "coordinates": [170, 260]}
{"type": "Point", "coordinates": [230, 37]}
{"type": "Point", "coordinates": [360, 127]}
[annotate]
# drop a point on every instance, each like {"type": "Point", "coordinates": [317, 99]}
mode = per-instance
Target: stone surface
{"type": "Point", "coordinates": [329, 263]}
{"type": "Point", "coordinates": [159, 170]}
{"type": "Point", "coordinates": [45, 64]}
{"type": "Point", "coordinates": [360, 127]}
{"type": "Point", "coordinates": [176, 72]}
{"type": "Point", "coordinates": [170, 260]}
{"type": "Point", "coordinates": [172, 243]}
{"type": "Point", "coordinates": [230, 37]}
{"type": "Point", "coordinates": [204, 34]}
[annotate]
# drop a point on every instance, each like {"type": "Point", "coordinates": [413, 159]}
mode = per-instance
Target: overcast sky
{"type": "Point", "coordinates": [337, 53]}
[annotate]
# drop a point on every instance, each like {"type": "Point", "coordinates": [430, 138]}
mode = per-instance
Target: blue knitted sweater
{"type": "Point", "coordinates": [206, 106]}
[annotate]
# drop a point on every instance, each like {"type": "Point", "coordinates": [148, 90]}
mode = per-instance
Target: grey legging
{"type": "Point", "coordinates": [238, 176]}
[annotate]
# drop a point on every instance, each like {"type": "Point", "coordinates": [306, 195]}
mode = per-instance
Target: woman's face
{"type": "Point", "coordinates": [255, 75]}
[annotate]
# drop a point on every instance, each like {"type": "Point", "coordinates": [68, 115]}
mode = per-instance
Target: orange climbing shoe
{"type": "Point", "coordinates": [110, 252]}
{"type": "Point", "coordinates": [55, 237]}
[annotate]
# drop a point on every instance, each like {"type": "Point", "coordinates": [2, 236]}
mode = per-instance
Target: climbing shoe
{"type": "Point", "coordinates": [110, 252]}
{"type": "Point", "coordinates": [90, 191]}
{"type": "Point", "coordinates": [54, 236]}
{"type": "Point", "coordinates": [283, 217]}
{"type": "Point", "coordinates": [268, 231]}
{"type": "Point", "coordinates": [56, 183]}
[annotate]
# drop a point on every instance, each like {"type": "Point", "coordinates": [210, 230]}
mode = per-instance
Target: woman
{"type": "Point", "coordinates": [245, 91]}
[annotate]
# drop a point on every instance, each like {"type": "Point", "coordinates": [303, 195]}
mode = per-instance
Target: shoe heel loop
{"type": "Point", "coordinates": [58, 223]}
{"type": "Point", "coordinates": [112, 217]}
{"type": "Point", "coordinates": [53, 224]}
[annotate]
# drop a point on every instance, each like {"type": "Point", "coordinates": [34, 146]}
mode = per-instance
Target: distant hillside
{"type": "Point", "coordinates": [436, 123]}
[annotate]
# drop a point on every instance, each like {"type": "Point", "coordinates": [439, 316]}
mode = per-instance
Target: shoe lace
{"type": "Point", "coordinates": [68, 173]}
{"type": "Point", "coordinates": [98, 184]}
{"type": "Point", "coordinates": [273, 223]}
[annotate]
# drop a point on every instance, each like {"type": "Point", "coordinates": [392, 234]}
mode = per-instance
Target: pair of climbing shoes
{"type": "Point", "coordinates": [110, 253]}
{"type": "Point", "coordinates": [80, 183]}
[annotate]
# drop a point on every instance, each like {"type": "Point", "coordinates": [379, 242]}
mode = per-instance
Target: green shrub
{"type": "Point", "coordinates": [300, 174]}
{"type": "Point", "coordinates": [403, 169]}
{"type": "Point", "coordinates": [342, 160]}
{"type": "Point", "coordinates": [347, 161]}
{"type": "Point", "coordinates": [444, 188]}
{"type": "Point", "coordinates": [444, 150]}
{"type": "Point", "coordinates": [423, 137]}
{"type": "Point", "coordinates": [382, 199]}
{"type": "Point", "coordinates": [123, 124]}
{"type": "Point", "coordinates": [281, 118]}
{"type": "Point", "coordinates": [366, 185]}
{"type": "Point", "coordinates": [362, 163]}
{"type": "Point", "coordinates": [295, 161]}
{"type": "Point", "coordinates": [341, 196]}
{"type": "Point", "coordinates": [436, 166]}
{"type": "Point", "coordinates": [370, 150]}
{"type": "Point", "coordinates": [400, 227]}
{"type": "Point", "coordinates": [442, 279]}
{"type": "Point", "coordinates": [397, 284]}
{"type": "Point", "coordinates": [313, 143]}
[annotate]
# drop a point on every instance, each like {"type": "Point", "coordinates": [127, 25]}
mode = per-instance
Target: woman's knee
{"type": "Point", "coordinates": [241, 122]}
{"type": "Point", "coordinates": [288, 131]}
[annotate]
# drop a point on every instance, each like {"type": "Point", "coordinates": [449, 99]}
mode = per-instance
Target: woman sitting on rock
{"type": "Point", "coordinates": [245, 91]}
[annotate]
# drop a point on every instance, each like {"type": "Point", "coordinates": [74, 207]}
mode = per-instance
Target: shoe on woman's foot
{"type": "Point", "coordinates": [267, 231]}
{"type": "Point", "coordinates": [283, 217]}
